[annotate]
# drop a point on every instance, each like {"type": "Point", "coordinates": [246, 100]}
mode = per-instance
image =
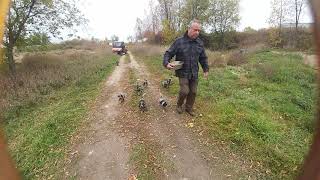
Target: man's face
{"type": "Point", "coordinates": [194, 30]}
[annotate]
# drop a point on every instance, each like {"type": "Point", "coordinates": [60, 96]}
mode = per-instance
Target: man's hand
{"type": "Point", "coordinates": [170, 66]}
{"type": "Point", "coordinates": [206, 75]}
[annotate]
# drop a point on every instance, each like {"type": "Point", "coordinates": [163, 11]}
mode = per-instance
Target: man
{"type": "Point", "coordinates": [189, 49]}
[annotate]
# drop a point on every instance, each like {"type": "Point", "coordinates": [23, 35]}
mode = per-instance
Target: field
{"type": "Point", "coordinates": [41, 112]}
{"type": "Point", "coordinates": [263, 107]}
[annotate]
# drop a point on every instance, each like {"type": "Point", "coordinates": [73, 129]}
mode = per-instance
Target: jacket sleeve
{"type": "Point", "coordinates": [170, 53]}
{"type": "Point", "coordinates": [203, 59]}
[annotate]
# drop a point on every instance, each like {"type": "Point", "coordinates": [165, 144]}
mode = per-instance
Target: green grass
{"type": "Point", "coordinates": [264, 109]}
{"type": "Point", "coordinates": [38, 134]}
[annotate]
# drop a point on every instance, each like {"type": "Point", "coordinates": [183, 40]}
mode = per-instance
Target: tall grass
{"type": "Point", "coordinates": [40, 74]}
{"type": "Point", "coordinates": [48, 103]}
{"type": "Point", "coordinates": [264, 108]}
{"type": "Point", "coordinates": [147, 50]}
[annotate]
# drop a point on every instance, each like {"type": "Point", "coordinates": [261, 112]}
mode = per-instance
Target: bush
{"type": "Point", "coordinates": [252, 38]}
{"type": "Point", "coordinates": [236, 58]}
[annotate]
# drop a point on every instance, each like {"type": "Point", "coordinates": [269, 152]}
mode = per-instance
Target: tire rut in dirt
{"type": "Point", "coordinates": [164, 129]}
{"type": "Point", "coordinates": [100, 152]}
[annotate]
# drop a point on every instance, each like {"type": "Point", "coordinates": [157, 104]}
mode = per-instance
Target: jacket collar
{"type": "Point", "coordinates": [185, 35]}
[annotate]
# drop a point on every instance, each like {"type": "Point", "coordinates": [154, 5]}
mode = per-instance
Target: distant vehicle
{"type": "Point", "coordinates": [119, 48]}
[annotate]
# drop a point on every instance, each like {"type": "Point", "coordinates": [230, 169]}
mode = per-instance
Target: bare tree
{"type": "Point", "coordinates": [139, 29]}
{"type": "Point", "coordinates": [279, 13]}
{"type": "Point", "coordinates": [155, 16]}
{"type": "Point", "coordinates": [114, 38]}
{"type": "Point", "coordinates": [170, 13]}
{"type": "Point", "coordinates": [165, 6]}
{"type": "Point", "coordinates": [297, 6]}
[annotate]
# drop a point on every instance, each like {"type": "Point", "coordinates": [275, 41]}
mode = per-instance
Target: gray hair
{"type": "Point", "coordinates": [193, 21]}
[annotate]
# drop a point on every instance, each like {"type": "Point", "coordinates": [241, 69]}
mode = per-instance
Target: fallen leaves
{"type": "Point", "coordinates": [132, 177]}
{"type": "Point", "coordinates": [190, 125]}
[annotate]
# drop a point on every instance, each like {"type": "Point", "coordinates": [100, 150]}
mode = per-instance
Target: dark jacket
{"type": "Point", "coordinates": [190, 52]}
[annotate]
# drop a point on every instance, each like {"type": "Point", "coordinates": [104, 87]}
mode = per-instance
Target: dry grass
{"type": "Point", "coordinates": [216, 59]}
{"type": "Point", "coordinates": [147, 50]}
{"type": "Point", "coordinates": [39, 74]}
{"type": "Point", "coordinates": [236, 58]}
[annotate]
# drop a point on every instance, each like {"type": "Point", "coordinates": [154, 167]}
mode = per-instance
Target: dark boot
{"type": "Point", "coordinates": [190, 112]}
{"type": "Point", "coordinates": [179, 109]}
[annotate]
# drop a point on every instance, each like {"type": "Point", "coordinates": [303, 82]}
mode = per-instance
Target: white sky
{"type": "Point", "coordinates": [108, 17]}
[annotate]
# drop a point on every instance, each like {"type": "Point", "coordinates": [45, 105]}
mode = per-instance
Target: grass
{"type": "Point", "coordinates": [38, 132]}
{"type": "Point", "coordinates": [264, 109]}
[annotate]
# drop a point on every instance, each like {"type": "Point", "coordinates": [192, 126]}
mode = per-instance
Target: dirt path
{"type": "Point", "coordinates": [103, 149]}
{"type": "Point", "coordinates": [176, 143]}
{"type": "Point", "coordinates": [100, 152]}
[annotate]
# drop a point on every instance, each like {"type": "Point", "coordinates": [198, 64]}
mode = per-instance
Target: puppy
{"type": "Point", "coordinates": [169, 81]}
{"type": "Point", "coordinates": [165, 84]}
{"type": "Point", "coordinates": [163, 103]}
{"type": "Point", "coordinates": [139, 89]}
{"type": "Point", "coordinates": [145, 83]}
{"type": "Point", "coordinates": [142, 105]}
{"type": "Point", "coordinates": [121, 97]}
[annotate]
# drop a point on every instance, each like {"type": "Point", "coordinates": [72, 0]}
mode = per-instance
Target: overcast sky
{"type": "Point", "coordinates": [108, 17]}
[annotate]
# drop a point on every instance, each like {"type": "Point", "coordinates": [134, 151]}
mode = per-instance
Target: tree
{"type": "Point", "coordinates": [168, 33]}
{"type": "Point", "coordinates": [298, 6]}
{"type": "Point", "coordinates": [114, 38]}
{"type": "Point", "coordinates": [130, 39]}
{"type": "Point", "coordinates": [33, 39]}
{"type": "Point", "coordinates": [279, 13]}
{"type": "Point", "coordinates": [279, 16]}
{"type": "Point", "coordinates": [27, 17]}
{"type": "Point", "coordinates": [223, 17]}
{"type": "Point", "coordinates": [165, 6]}
{"type": "Point", "coordinates": [139, 29]}
{"type": "Point", "coordinates": [194, 9]}
{"type": "Point", "coordinates": [154, 14]}
{"type": "Point", "coordinates": [170, 11]}
{"type": "Point", "coordinates": [249, 29]}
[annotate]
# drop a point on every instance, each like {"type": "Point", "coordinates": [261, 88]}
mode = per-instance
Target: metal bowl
{"type": "Point", "coordinates": [177, 64]}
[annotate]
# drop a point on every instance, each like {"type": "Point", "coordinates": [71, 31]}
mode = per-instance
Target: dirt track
{"type": "Point", "coordinates": [103, 148]}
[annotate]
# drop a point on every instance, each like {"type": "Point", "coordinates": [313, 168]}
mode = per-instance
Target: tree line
{"type": "Point", "coordinates": [168, 19]}
{"type": "Point", "coordinates": [34, 21]}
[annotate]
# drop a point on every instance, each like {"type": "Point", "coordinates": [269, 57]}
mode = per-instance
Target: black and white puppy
{"type": "Point", "coordinates": [121, 97]}
{"type": "Point", "coordinates": [165, 84]}
{"type": "Point", "coordinates": [145, 83]}
{"type": "Point", "coordinates": [142, 105]}
{"type": "Point", "coordinates": [139, 89]}
{"type": "Point", "coordinates": [163, 103]}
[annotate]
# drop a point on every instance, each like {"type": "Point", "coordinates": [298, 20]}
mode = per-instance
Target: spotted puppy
{"type": "Point", "coordinates": [143, 105]}
{"type": "Point", "coordinates": [163, 103]}
{"type": "Point", "coordinates": [121, 97]}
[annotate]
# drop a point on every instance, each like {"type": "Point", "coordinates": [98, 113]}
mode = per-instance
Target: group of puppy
{"type": "Point", "coordinates": [140, 89]}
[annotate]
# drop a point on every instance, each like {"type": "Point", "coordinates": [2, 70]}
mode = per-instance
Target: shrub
{"type": "Point", "coordinates": [236, 58]}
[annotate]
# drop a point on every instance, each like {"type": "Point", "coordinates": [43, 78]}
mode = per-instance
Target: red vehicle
{"type": "Point", "coordinates": [119, 48]}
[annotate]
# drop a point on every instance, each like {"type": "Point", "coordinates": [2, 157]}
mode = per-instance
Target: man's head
{"type": "Point", "coordinates": [194, 29]}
